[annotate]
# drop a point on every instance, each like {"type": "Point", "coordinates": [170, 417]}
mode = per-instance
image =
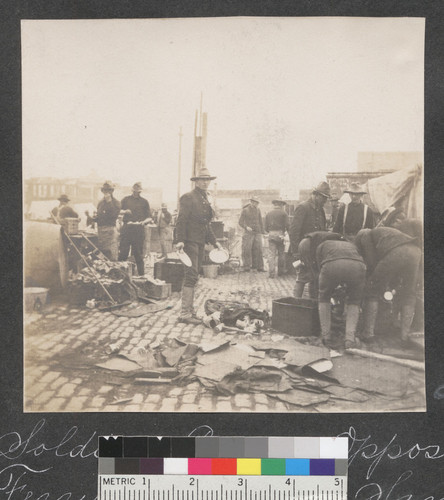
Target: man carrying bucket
{"type": "Point", "coordinates": [193, 230]}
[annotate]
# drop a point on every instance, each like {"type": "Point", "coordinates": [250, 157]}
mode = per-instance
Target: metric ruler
{"type": "Point", "coordinates": [177, 487]}
{"type": "Point", "coordinates": [222, 468]}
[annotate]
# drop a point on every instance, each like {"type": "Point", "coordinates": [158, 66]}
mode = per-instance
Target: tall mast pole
{"type": "Point", "coordinates": [179, 167]}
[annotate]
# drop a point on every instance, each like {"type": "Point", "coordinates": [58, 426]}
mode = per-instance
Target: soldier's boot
{"type": "Point", "coordinates": [370, 316]}
{"type": "Point", "coordinates": [311, 289]}
{"type": "Point", "coordinates": [186, 315]}
{"type": "Point", "coordinates": [407, 315]}
{"type": "Point", "coordinates": [298, 289]}
{"type": "Point", "coordinates": [325, 321]}
{"type": "Point", "coordinates": [351, 323]}
{"type": "Point", "coordinates": [192, 309]}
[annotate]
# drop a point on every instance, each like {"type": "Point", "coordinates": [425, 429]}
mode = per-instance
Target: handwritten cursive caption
{"type": "Point", "coordinates": [30, 461]}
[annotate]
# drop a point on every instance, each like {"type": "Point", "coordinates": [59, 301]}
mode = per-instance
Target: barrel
{"type": "Point", "coordinates": [45, 259]}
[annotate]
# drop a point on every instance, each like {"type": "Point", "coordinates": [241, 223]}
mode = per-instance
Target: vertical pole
{"type": "Point", "coordinates": [179, 167]}
{"type": "Point", "coordinates": [193, 169]}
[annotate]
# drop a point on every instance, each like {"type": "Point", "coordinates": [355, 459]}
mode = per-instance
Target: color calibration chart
{"type": "Point", "coordinates": [222, 468]}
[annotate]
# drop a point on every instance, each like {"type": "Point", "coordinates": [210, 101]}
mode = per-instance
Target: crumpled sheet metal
{"type": "Point", "coordinates": [304, 354]}
{"type": "Point", "coordinates": [119, 364]}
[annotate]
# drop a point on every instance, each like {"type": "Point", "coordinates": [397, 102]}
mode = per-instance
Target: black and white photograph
{"type": "Point", "coordinates": [223, 215]}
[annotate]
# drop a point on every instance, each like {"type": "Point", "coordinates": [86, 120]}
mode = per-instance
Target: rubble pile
{"type": "Point", "coordinates": [89, 283]}
{"type": "Point", "coordinates": [299, 372]}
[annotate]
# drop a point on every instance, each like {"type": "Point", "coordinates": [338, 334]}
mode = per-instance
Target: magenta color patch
{"type": "Point", "coordinates": [199, 466]}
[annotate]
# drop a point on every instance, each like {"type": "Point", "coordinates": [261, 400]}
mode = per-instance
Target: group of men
{"type": "Point", "coordinates": [365, 259]}
{"type": "Point", "coordinates": [133, 213]}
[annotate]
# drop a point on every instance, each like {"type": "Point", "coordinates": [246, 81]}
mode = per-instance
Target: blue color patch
{"type": "Point", "coordinates": [297, 467]}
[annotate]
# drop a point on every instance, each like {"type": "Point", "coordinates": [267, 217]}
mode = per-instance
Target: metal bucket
{"type": "Point", "coordinates": [210, 271]}
{"type": "Point", "coordinates": [34, 299]}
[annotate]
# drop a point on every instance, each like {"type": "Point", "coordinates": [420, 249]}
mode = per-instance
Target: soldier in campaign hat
{"type": "Point", "coordinates": [108, 211]}
{"type": "Point", "coordinates": [136, 214]}
{"type": "Point", "coordinates": [354, 216]}
{"type": "Point", "coordinates": [251, 222]}
{"type": "Point", "coordinates": [193, 231]}
{"type": "Point", "coordinates": [309, 216]}
{"type": "Point", "coordinates": [64, 210]}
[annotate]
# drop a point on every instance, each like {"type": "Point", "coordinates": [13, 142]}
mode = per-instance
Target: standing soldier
{"type": "Point", "coordinates": [163, 225]}
{"type": "Point", "coordinates": [64, 210]}
{"type": "Point", "coordinates": [193, 230]}
{"type": "Point", "coordinates": [334, 203]}
{"type": "Point", "coordinates": [355, 215]}
{"type": "Point", "coordinates": [276, 224]}
{"type": "Point", "coordinates": [108, 211]}
{"type": "Point", "coordinates": [136, 213]}
{"type": "Point", "coordinates": [251, 222]}
{"type": "Point", "coordinates": [309, 216]}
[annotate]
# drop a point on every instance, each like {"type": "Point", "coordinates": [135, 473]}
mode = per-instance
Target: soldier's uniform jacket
{"type": "Point", "coordinates": [375, 244]}
{"type": "Point", "coordinates": [193, 221]}
{"type": "Point", "coordinates": [251, 217]}
{"type": "Point", "coordinates": [354, 219]}
{"type": "Point", "coordinates": [307, 219]}
{"type": "Point", "coordinates": [276, 220]}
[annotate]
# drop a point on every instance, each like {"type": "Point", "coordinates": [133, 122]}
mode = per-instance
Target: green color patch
{"type": "Point", "coordinates": [273, 467]}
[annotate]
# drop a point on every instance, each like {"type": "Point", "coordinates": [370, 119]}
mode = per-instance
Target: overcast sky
{"type": "Point", "coordinates": [288, 99]}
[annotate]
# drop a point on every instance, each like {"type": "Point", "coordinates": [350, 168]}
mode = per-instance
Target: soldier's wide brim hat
{"type": "Point", "coordinates": [203, 174]}
{"type": "Point", "coordinates": [253, 198]}
{"type": "Point", "coordinates": [63, 197]}
{"type": "Point", "coordinates": [107, 186]}
{"type": "Point", "coordinates": [323, 189]}
{"type": "Point", "coordinates": [278, 201]}
{"type": "Point", "coordinates": [355, 188]}
{"type": "Point", "coordinates": [164, 205]}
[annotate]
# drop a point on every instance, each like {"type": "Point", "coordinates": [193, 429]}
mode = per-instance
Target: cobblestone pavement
{"type": "Point", "coordinates": [63, 344]}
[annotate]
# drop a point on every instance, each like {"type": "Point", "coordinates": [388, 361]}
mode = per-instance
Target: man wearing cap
{"type": "Point", "coordinates": [355, 215]}
{"type": "Point", "coordinates": [276, 224]}
{"type": "Point", "coordinates": [163, 226]}
{"type": "Point", "coordinates": [308, 217]}
{"type": "Point", "coordinates": [64, 210]}
{"type": "Point", "coordinates": [193, 230]}
{"type": "Point", "coordinates": [136, 213]}
{"type": "Point", "coordinates": [251, 222]}
{"type": "Point", "coordinates": [108, 211]}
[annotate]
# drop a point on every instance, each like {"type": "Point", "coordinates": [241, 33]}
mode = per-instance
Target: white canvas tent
{"type": "Point", "coordinates": [401, 188]}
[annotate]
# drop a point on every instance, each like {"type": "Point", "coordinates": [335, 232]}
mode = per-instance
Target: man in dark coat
{"type": "Point", "coordinates": [355, 215]}
{"type": "Point", "coordinates": [251, 222]}
{"type": "Point", "coordinates": [136, 214]}
{"type": "Point", "coordinates": [276, 225]}
{"type": "Point", "coordinates": [308, 217]}
{"type": "Point", "coordinates": [335, 262]}
{"type": "Point", "coordinates": [193, 231]}
{"type": "Point", "coordinates": [392, 258]}
{"type": "Point", "coordinates": [64, 210]}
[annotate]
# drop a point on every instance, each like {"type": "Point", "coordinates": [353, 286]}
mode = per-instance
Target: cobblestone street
{"type": "Point", "coordinates": [63, 344]}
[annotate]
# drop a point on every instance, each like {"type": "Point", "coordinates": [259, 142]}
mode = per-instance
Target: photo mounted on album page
{"type": "Point", "coordinates": [223, 215]}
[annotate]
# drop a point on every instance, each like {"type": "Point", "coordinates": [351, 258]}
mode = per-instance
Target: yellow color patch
{"type": "Point", "coordinates": [248, 466]}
